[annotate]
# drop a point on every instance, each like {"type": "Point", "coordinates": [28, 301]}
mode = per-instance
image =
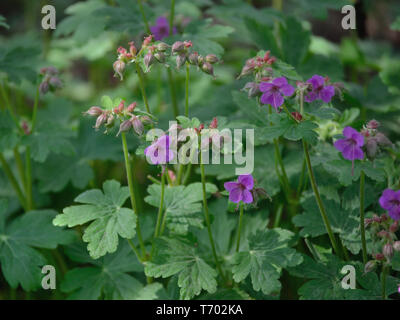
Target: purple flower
{"type": "Point", "coordinates": [273, 91]}
{"type": "Point", "coordinates": [161, 29]}
{"type": "Point", "coordinates": [390, 201]}
{"type": "Point", "coordinates": [319, 90]}
{"type": "Point", "coordinates": [351, 145]}
{"type": "Point", "coordinates": [240, 190]}
{"type": "Point", "coordinates": [159, 151]}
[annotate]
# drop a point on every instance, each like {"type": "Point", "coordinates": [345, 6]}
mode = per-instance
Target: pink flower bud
{"type": "Point", "coordinates": [194, 58]}
{"type": "Point", "coordinates": [101, 119]}
{"type": "Point", "coordinates": [378, 256]}
{"type": "Point", "coordinates": [125, 126]}
{"type": "Point", "coordinates": [147, 40]}
{"type": "Point", "coordinates": [296, 115]}
{"type": "Point", "coordinates": [211, 58]}
{"type": "Point", "coordinates": [171, 175]}
{"type": "Point", "coordinates": [132, 48]}
{"type": "Point", "coordinates": [214, 123]}
{"type": "Point", "coordinates": [253, 89]}
{"type": "Point", "coordinates": [137, 126]}
{"type": "Point", "coordinates": [207, 68]}
{"type": "Point", "coordinates": [394, 227]}
{"type": "Point", "coordinates": [369, 266]}
{"type": "Point", "coordinates": [44, 87]}
{"type": "Point", "coordinates": [94, 111]}
{"type": "Point", "coordinates": [121, 106]}
{"type": "Point", "coordinates": [162, 46]}
{"type": "Point", "coordinates": [55, 82]}
{"type": "Point", "coordinates": [396, 246]}
{"type": "Point", "coordinates": [119, 67]}
{"type": "Point", "coordinates": [160, 56]}
{"type": "Point", "coordinates": [188, 44]}
{"type": "Point", "coordinates": [373, 124]}
{"type": "Point", "coordinates": [148, 59]}
{"type": "Point", "coordinates": [177, 47]}
{"type": "Point", "coordinates": [131, 107]}
{"type": "Point", "coordinates": [110, 120]}
{"type": "Point", "coordinates": [180, 60]}
{"type": "Point", "coordinates": [388, 251]}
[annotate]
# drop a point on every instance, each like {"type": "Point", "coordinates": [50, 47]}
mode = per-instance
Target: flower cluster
{"type": "Point", "coordinates": [258, 66]}
{"type": "Point", "coordinates": [184, 54]}
{"type": "Point", "coordinates": [274, 90]}
{"type": "Point", "coordinates": [50, 80]}
{"type": "Point", "coordinates": [125, 115]}
{"type": "Point", "coordinates": [384, 239]}
{"type": "Point", "coordinates": [374, 140]}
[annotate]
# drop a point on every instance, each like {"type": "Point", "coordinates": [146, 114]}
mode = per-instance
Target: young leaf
{"type": "Point", "coordinates": [268, 253]}
{"type": "Point", "coordinates": [108, 218]}
{"type": "Point", "coordinates": [179, 256]}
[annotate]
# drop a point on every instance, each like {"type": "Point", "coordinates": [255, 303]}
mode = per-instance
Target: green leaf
{"type": "Point", "coordinates": [268, 253]}
{"type": "Point", "coordinates": [262, 36]}
{"type": "Point", "coordinates": [325, 283]}
{"type": "Point", "coordinates": [3, 22]}
{"type": "Point", "coordinates": [49, 138]}
{"type": "Point", "coordinates": [179, 256]}
{"type": "Point", "coordinates": [182, 204]}
{"type": "Point", "coordinates": [108, 218]}
{"type": "Point", "coordinates": [295, 41]}
{"type": "Point", "coordinates": [109, 277]}
{"type": "Point", "coordinates": [8, 132]}
{"type": "Point", "coordinates": [20, 263]}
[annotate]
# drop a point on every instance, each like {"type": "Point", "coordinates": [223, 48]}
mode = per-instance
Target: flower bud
{"type": "Point", "coordinates": [297, 115]}
{"type": "Point", "coordinates": [396, 246]}
{"type": "Point", "coordinates": [110, 120]}
{"type": "Point", "coordinates": [383, 234]}
{"type": "Point", "coordinates": [378, 256]}
{"type": "Point", "coordinates": [382, 140]}
{"type": "Point", "coordinates": [207, 68]}
{"type": "Point", "coordinates": [55, 82]}
{"type": "Point", "coordinates": [373, 124]}
{"type": "Point", "coordinates": [125, 126]}
{"type": "Point", "coordinates": [100, 120]}
{"type": "Point", "coordinates": [384, 217]}
{"type": "Point", "coordinates": [211, 58]}
{"type": "Point", "coordinates": [371, 148]}
{"type": "Point", "coordinates": [132, 48]}
{"type": "Point", "coordinates": [119, 67]}
{"type": "Point", "coordinates": [214, 123]}
{"type": "Point", "coordinates": [147, 40]}
{"type": "Point", "coordinates": [369, 266]}
{"type": "Point", "coordinates": [94, 111]}
{"type": "Point", "coordinates": [253, 89]}
{"type": "Point", "coordinates": [394, 227]}
{"type": "Point", "coordinates": [148, 59]}
{"type": "Point", "coordinates": [172, 175]}
{"type": "Point", "coordinates": [162, 46]}
{"type": "Point", "coordinates": [180, 60]}
{"type": "Point", "coordinates": [44, 87]}
{"type": "Point", "coordinates": [177, 47]}
{"type": "Point", "coordinates": [146, 120]}
{"type": "Point", "coordinates": [194, 58]}
{"type": "Point", "coordinates": [388, 251]}
{"type": "Point", "coordinates": [121, 106]}
{"type": "Point", "coordinates": [131, 107]}
{"type": "Point", "coordinates": [137, 126]}
{"type": "Point", "coordinates": [160, 56]}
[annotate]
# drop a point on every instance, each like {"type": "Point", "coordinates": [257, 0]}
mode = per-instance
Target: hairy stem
{"type": "Point", "coordinates": [20, 166]}
{"type": "Point", "coordinates": [132, 192]}
{"type": "Point", "coordinates": [362, 226]}
{"type": "Point", "coordinates": [240, 227]}
{"type": "Point", "coordinates": [160, 209]}
{"type": "Point", "coordinates": [142, 89]}
{"type": "Point", "coordinates": [13, 181]}
{"type": "Point", "coordinates": [207, 217]}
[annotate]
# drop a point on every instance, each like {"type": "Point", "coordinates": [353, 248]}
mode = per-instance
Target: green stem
{"type": "Point", "coordinates": [207, 217]}
{"type": "Point", "coordinates": [141, 84]}
{"type": "Point", "coordinates": [8, 106]}
{"type": "Point", "coordinates": [285, 180]}
{"type": "Point", "coordinates": [179, 176]}
{"type": "Point", "coordinates": [146, 23]}
{"type": "Point", "coordinates": [187, 174]}
{"type": "Point", "coordinates": [278, 216]}
{"type": "Point", "coordinates": [132, 192]}
{"type": "Point", "coordinates": [35, 109]}
{"type": "Point", "coordinates": [362, 226]}
{"type": "Point", "coordinates": [160, 209]}
{"type": "Point", "coordinates": [187, 90]}
{"type": "Point", "coordinates": [383, 281]}
{"type": "Point", "coordinates": [164, 220]}
{"type": "Point", "coordinates": [240, 227]}
{"type": "Point", "coordinates": [28, 168]}
{"type": "Point", "coordinates": [319, 200]}
{"type": "Point", "coordinates": [301, 180]}
{"type": "Point", "coordinates": [13, 181]}
{"type": "Point", "coordinates": [20, 166]}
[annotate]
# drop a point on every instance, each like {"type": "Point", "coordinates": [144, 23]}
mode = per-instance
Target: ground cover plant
{"type": "Point", "coordinates": [200, 150]}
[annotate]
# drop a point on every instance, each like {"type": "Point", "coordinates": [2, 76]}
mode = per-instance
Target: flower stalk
{"type": "Point", "coordinates": [362, 224]}
{"type": "Point", "coordinates": [240, 226]}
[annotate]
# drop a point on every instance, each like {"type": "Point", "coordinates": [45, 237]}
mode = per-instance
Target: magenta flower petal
{"type": "Point", "coordinates": [277, 100]}
{"type": "Point", "coordinates": [287, 90]}
{"type": "Point", "coordinates": [265, 86]}
{"type": "Point", "coordinates": [316, 81]}
{"type": "Point", "coordinates": [279, 82]}
{"type": "Point", "coordinates": [390, 201]}
{"type": "Point", "coordinates": [341, 144]}
{"type": "Point", "coordinates": [266, 98]}
{"type": "Point", "coordinates": [247, 197]}
{"type": "Point", "coordinates": [348, 132]}
{"type": "Point", "coordinates": [236, 195]}
{"type": "Point", "coordinates": [327, 93]}
{"type": "Point", "coordinates": [247, 181]}
{"type": "Point", "coordinates": [310, 97]}
{"type": "Point", "coordinates": [229, 186]}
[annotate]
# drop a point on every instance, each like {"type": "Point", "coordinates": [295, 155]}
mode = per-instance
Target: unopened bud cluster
{"type": "Point", "coordinates": [124, 115]}
{"type": "Point", "coordinates": [383, 231]}
{"type": "Point", "coordinates": [375, 141]}
{"type": "Point", "coordinates": [50, 80]}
